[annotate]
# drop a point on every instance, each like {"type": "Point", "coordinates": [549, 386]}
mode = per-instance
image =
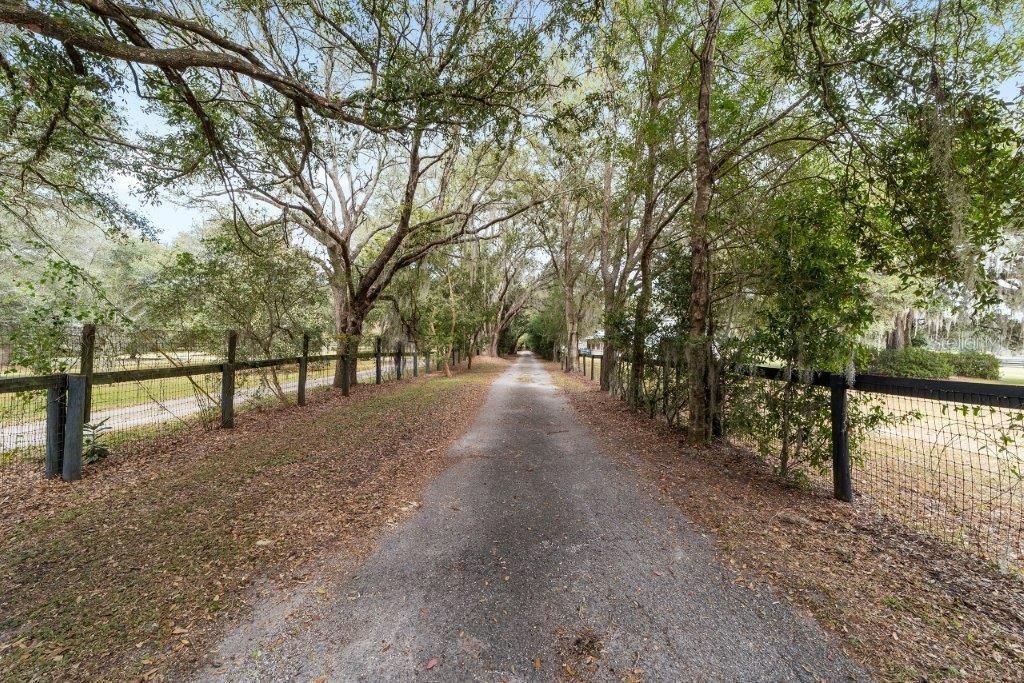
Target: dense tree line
{"type": "Point", "coordinates": [725, 182]}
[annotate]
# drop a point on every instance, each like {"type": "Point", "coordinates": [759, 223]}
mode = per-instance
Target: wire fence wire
{"type": "Point", "coordinates": [22, 433]}
{"type": "Point", "coordinates": [945, 459]}
{"type": "Point", "coordinates": [950, 468]}
{"type": "Point", "coordinates": [128, 409]}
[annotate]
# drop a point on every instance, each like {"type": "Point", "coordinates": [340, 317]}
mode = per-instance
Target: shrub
{"type": "Point", "coordinates": [974, 364]}
{"type": "Point", "coordinates": [912, 362]}
{"type": "Point", "coordinates": [864, 357]}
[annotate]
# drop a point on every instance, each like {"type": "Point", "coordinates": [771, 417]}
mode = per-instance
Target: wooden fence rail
{"type": "Point", "coordinates": [68, 395]}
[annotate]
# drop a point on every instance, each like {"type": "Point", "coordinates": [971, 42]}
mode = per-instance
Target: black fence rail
{"type": "Point", "coordinates": [53, 423]}
{"type": "Point", "coordinates": [942, 457]}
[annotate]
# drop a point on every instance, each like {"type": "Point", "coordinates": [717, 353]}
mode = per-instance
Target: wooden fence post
{"type": "Point", "coordinates": [85, 365]}
{"type": "Point", "coordinates": [377, 357]}
{"type": "Point", "coordinates": [71, 468]}
{"type": "Point", "coordinates": [842, 477]}
{"type": "Point", "coordinates": [398, 362]}
{"type": "Point", "coordinates": [227, 383]}
{"type": "Point", "coordinates": [303, 368]}
{"type": "Point", "coordinates": [591, 368]}
{"type": "Point", "coordinates": [345, 379]}
{"type": "Point", "coordinates": [415, 361]}
{"type": "Point", "coordinates": [56, 416]}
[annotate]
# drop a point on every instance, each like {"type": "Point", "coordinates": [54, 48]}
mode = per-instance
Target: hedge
{"type": "Point", "coordinates": [974, 364]}
{"type": "Point", "coordinates": [917, 362]}
{"type": "Point", "coordinates": [911, 362]}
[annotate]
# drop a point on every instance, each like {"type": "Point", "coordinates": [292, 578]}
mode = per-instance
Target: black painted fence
{"type": "Point", "coordinates": [944, 457]}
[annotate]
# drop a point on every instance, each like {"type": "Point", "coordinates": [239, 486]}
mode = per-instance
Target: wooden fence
{"type": "Point", "coordinates": [69, 395]}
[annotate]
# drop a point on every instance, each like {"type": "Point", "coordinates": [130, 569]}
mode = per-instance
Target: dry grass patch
{"type": "Point", "coordinates": [134, 569]}
{"type": "Point", "coordinates": [906, 606]}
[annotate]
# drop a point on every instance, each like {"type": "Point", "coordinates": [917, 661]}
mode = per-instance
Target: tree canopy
{"type": "Point", "coordinates": [722, 182]}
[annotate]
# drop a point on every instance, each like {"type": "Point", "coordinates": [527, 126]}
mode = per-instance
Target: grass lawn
{"type": "Point", "coordinates": [133, 569]}
{"type": "Point", "coordinates": [1011, 375]}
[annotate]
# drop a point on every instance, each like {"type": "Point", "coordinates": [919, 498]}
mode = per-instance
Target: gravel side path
{"type": "Point", "coordinates": [535, 557]}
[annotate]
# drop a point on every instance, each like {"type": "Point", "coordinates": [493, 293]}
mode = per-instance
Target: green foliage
{"type": "Point", "coordinates": [546, 326]}
{"type": "Point", "coordinates": [94, 447]}
{"type": "Point", "coordinates": [809, 312]}
{"type": "Point", "coordinates": [810, 278]}
{"type": "Point", "coordinates": [864, 356]}
{"type": "Point", "coordinates": [973, 364]}
{"type": "Point", "coordinates": [912, 362]}
{"type": "Point", "coordinates": [787, 423]}
{"type": "Point", "coordinates": [267, 290]}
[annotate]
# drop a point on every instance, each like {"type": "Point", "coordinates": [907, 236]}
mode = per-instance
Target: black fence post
{"type": "Point", "coordinates": [345, 379]}
{"type": "Point", "coordinates": [398, 362]}
{"type": "Point", "coordinates": [303, 368]}
{"type": "Point", "coordinates": [227, 383]}
{"type": "Point", "coordinates": [56, 416]}
{"type": "Point", "coordinates": [71, 468]}
{"type": "Point", "coordinates": [842, 478]}
{"type": "Point", "coordinates": [415, 361]}
{"type": "Point", "coordinates": [85, 365]}
{"type": "Point", "coordinates": [377, 358]}
{"type": "Point", "coordinates": [591, 368]}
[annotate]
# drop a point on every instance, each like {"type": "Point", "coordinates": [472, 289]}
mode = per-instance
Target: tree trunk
{"type": "Point", "coordinates": [608, 352]}
{"type": "Point", "coordinates": [699, 346]}
{"type": "Point", "coordinates": [339, 299]}
{"type": "Point", "coordinates": [348, 343]}
{"type": "Point", "coordinates": [902, 333]}
{"type": "Point", "coordinates": [638, 352]}
{"type": "Point", "coordinates": [571, 350]}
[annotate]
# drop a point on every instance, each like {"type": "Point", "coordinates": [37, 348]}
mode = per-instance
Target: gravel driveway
{"type": "Point", "coordinates": [534, 557]}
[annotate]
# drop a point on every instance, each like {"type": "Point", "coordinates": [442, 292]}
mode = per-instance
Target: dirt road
{"type": "Point", "coordinates": [533, 557]}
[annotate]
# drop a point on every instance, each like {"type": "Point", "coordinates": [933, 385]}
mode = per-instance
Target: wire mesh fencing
{"type": "Point", "coordinates": [943, 458]}
{"type": "Point", "coordinates": [22, 432]}
{"type": "Point", "coordinates": [950, 465]}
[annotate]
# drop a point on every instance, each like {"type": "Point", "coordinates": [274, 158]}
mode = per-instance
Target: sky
{"type": "Point", "coordinates": [171, 218]}
{"type": "Point", "coordinates": [168, 217]}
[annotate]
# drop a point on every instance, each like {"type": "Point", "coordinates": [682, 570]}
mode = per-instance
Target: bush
{"type": "Point", "coordinates": [974, 364]}
{"type": "Point", "coordinates": [864, 357]}
{"type": "Point", "coordinates": [912, 362]}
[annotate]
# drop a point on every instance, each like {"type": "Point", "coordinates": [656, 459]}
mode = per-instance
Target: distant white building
{"type": "Point", "coordinates": [594, 344]}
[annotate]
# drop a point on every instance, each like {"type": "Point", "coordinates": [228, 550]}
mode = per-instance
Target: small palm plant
{"type": "Point", "coordinates": [93, 448]}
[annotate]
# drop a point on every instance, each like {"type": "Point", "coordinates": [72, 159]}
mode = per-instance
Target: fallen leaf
{"type": "Point", "coordinates": [432, 663]}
